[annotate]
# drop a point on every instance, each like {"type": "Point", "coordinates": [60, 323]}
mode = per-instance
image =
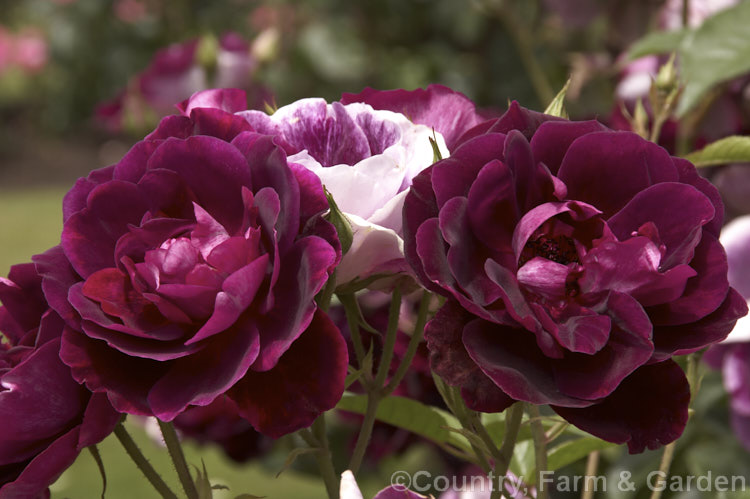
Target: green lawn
{"type": "Point", "coordinates": [30, 223]}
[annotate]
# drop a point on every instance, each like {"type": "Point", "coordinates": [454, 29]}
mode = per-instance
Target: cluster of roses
{"type": "Point", "coordinates": [574, 261]}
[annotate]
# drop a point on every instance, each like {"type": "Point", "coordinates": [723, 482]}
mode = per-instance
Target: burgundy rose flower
{"type": "Point", "coordinates": [189, 269]}
{"type": "Point", "coordinates": [47, 418]}
{"type": "Point", "coordinates": [577, 260]}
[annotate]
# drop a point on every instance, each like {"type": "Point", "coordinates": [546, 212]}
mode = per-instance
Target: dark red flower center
{"type": "Point", "coordinates": [560, 249]}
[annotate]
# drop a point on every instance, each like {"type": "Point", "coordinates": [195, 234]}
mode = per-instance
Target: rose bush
{"type": "Point", "coordinates": [188, 270]}
{"type": "Point", "coordinates": [576, 261]}
{"type": "Point", "coordinates": [48, 418]}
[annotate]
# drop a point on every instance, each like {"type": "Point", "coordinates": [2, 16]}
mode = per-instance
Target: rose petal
{"type": "Point", "coordinates": [230, 100]}
{"type": "Point", "coordinates": [512, 360]}
{"type": "Point", "coordinates": [601, 169]}
{"type": "Point", "coordinates": [438, 107]}
{"type": "Point", "coordinates": [307, 380]}
{"type": "Point", "coordinates": [621, 418]}
{"type": "Point", "coordinates": [678, 211]}
{"type": "Point", "coordinates": [552, 140]}
{"type": "Point", "coordinates": [449, 359]}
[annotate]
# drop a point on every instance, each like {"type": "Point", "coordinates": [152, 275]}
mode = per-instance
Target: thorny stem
{"type": "Point", "coordinates": [142, 463]}
{"type": "Point", "coordinates": [178, 458]}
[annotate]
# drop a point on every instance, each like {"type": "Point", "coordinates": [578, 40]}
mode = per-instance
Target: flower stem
{"type": "Point", "coordinates": [324, 298]}
{"type": "Point", "coordinates": [351, 308]}
{"type": "Point", "coordinates": [666, 462]}
{"type": "Point", "coordinates": [178, 458]}
{"type": "Point", "coordinates": [513, 417]}
{"type": "Point", "coordinates": [411, 349]}
{"type": "Point", "coordinates": [365, 432]}
{"type": "Point", "coordinates": [390, 339]}
{"type": "Point", "coordinates": [592, 463]}
{"type": "Point", "coordinates": [512, 425]}
{"type": "Point", "coordinates": [142, 463]}
{"type": "Point", "coordinates": [540, 448]}
{"type": "Point", "coordinates": [318, 439]}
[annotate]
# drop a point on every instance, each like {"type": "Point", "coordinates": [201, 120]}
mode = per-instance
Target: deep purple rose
{"type": "Point", "coordinates": [188, 270]}
{"type": "Point", "coordinates": [47, 417]}
{"type": "Point", "coordinates": [577, 260]}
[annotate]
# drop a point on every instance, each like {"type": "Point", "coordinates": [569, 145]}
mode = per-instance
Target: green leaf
{"type": "Point", "coordinates": [734, 149]}
{"type": "Point", "coordinates": [436, 154]}
{"type": "Point", "coordinates": [424, 420]}
{"type": "Point", "coordinates": [495, 424]}
{"type": "Point", "coordinates": [557, 106]}
{"type": "Point", "coordinates": [559, 456]}
{"type": "Point", "coordinates": [573, 450]}
{"type": "Point", "coordinates": [657, 42]}
{"type": "Point", "coordinates": [522, 463]}
{"type": "Point", "coordinates": [94, 450]}
{"type": "Point", "coordinates": [340, 222]}
{"type": "Point", "coordinates": [715, 52]}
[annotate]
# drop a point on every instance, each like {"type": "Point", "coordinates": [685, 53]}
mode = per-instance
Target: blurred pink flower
{"type": "Point", "coordinates": [26, 50]}
{"type": "Point", "coordinates": [174, 74]}
{"type": "Point", "coordinates": [30, 51]}
{"type": "Point", "coordinates": [670, 16]}
{"type": "Point", "coordinates": [130, 11]}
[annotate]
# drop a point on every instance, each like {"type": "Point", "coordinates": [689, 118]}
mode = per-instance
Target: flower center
{"type": "Point", "coordinates": [560, 249]}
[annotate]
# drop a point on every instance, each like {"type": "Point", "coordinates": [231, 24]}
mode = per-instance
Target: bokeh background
{"type": "Point", "coordinates": [82, 80]}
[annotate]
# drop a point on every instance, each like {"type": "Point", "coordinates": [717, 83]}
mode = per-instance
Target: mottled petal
{"type": "Point", "coordinates": [448, 112]}
{"type": "Point", "coordinates": [449, 359]}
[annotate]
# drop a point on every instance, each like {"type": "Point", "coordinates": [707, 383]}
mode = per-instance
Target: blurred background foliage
{"type": "Point", "coordinates": [72, 100]}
